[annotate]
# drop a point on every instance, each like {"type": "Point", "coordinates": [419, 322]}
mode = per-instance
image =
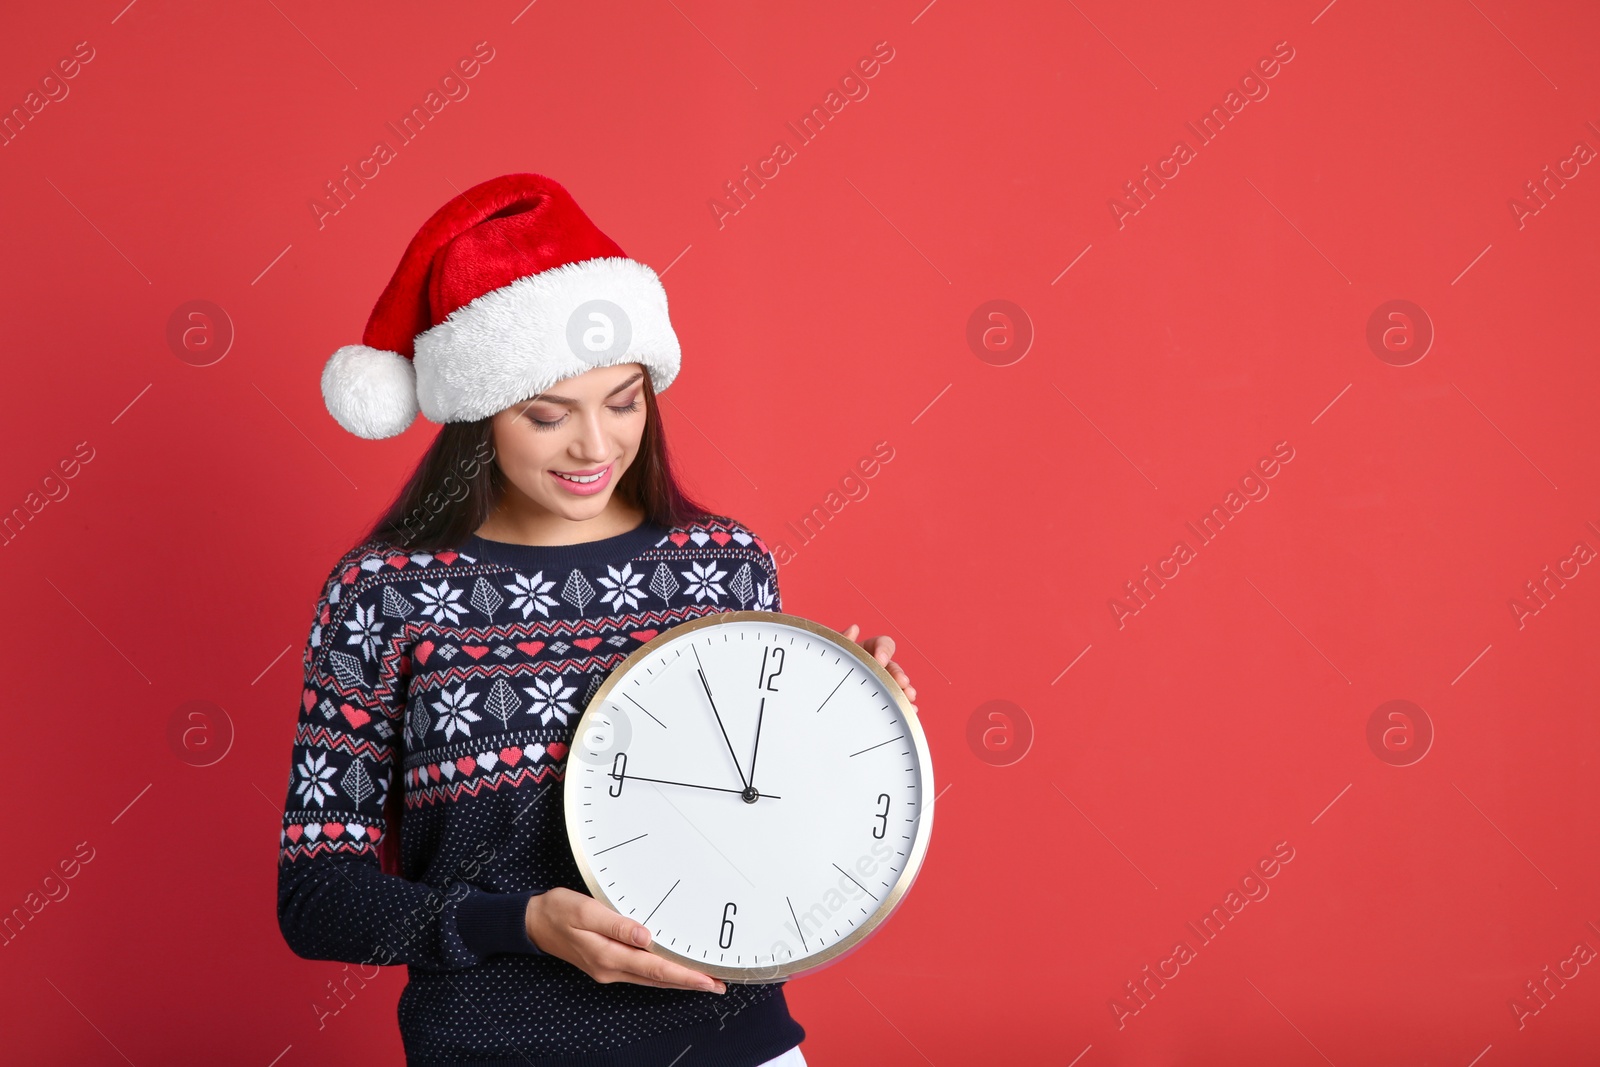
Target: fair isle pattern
{"type": "Point", "coordinates": [425, 624]}
{"type": "Point", "coordinates": [457, 679]}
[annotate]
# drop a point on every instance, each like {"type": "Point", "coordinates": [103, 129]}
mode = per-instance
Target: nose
{"type": "Point", "coordinates": [590, 444]}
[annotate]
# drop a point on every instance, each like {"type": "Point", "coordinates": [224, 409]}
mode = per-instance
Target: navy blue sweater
{"type": "Point", "coordinates": [442, 690]}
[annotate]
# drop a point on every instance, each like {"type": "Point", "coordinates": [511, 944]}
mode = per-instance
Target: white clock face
{"type": "Point", "coordinates": [752, 790]}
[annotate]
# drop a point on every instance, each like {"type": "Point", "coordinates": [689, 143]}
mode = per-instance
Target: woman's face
{"type": "Point", "coordinates": [567, 447]}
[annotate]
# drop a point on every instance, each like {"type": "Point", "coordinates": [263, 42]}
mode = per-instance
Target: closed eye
{"type": "Point", "coordinates": [550, 424]}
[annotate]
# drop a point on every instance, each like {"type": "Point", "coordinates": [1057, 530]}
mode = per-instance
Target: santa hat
{"type": "Point", "coordinates": [506, 290]}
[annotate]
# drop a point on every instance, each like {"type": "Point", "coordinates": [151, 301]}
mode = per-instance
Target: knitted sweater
{"type": "Point", "coordinates": [454, 681]}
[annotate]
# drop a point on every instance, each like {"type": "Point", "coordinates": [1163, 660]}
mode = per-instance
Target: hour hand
{"type": "Point", "coordinates": [692, 785]}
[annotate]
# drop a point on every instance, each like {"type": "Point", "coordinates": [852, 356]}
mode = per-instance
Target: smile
{"type": "Point", "coordinates": [584, 483]}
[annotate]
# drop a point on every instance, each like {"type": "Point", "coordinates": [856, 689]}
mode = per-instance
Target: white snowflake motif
{"type": "Point", "coordinates": [550, 699]}
{"type": "Point", "coordinates": [705, 582]}
{"type": "Point", "coordinates": [316, 779]}
{"type": "Point", "coordinates": [622, 588]}
{"type": "Point", "coordinates": [528, 594]}
{"type": "Point", "coordinates": [439, 603]}
{"type": "Point", "coordinates": [365, 630]}
{"type": "Point", "coordinates": [454, 713]}
{"type": "Point", "coordinates": [764, 598]}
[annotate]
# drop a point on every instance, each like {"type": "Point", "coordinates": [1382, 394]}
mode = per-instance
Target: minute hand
{"type": "Point", "coordinates": [700, 669]}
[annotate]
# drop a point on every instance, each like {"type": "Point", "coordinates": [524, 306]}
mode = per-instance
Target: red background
{"type": "Point", "coordinates": [1228, 314]}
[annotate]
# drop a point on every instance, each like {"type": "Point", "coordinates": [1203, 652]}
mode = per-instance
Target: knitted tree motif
{"type": "Point", "coordinates": [396, 606]}
{"type": "Point", "coordinates": [577, 592]}
{"type": "Point", "coordinates": [742, 586]}
{"type": "Point", "coordinates": [484, 598]}
{"type": "Point", "coordinates": [356, 784]}
{"type": "Point", "coordinates": [419, 720]}
{"type": "Point", "coordinates": [662, 583]}
{"type": "Point", "coordinates": [347, 669]}
{"type": "Point", "coordinates": [502, 701]}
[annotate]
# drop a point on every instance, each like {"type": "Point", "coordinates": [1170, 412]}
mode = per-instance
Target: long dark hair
{"type": "Point", "coordinates": [457, 483]}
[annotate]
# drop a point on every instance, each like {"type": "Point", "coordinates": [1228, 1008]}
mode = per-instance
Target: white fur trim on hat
{"type": "Point", "coordinates": [516, 341]}
{"type": "Point", "coordinates": [370, 392]}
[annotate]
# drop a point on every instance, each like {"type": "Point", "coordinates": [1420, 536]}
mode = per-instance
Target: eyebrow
{"type": "Point", "coordinates": [546, 398]}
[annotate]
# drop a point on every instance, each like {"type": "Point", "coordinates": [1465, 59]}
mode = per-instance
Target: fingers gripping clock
{"type": "Point", "coordinates": [754, 788]}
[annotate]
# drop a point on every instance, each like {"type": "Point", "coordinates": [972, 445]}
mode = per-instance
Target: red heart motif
{"type": "Point", "coordinates": [350, 574]}
{"type": "Point", "coordinates": [325, 615]}
{"type": "Point", "coordinates": [557, 750]}
{"type": "Point", "coordinates": [475, 651]}
{"type": "Point", "coordinates": [721, 538]}
{"type": "Point", "coordinates": [309, 699]}
{"type": "Point", "coordinates": [295, 831]}
{"type": "Point", "coordinates": [354, 716]}
{"type": "Point", "coordinates": [587, 643]}
{"type": "Point", "coordinates": [465, 764]}
{"type": "Point", "coordinates": [433, 771]}
{"type": "Point", "coordinates": [333, 829]}
{"type": "Point", "coordinates": [510, 756]}
{"type": "Point", "coordinates": [424, 650]}
{"type": "Point", "coordinates": [446, 557]}
{"type": "Point", "coordinates": [397, 561]}
{"type": "Point", "coordinates": [374, 833]}
{"type": "Point", "coordinates": [643, 635]}
{"type": "Point", "coordinates": [679, 539]}
{"type": "Point", "coordinates": [532, 648]}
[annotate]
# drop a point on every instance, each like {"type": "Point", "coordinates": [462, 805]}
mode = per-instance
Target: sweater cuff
{"type": "Point", "coordinates": [496, 923]}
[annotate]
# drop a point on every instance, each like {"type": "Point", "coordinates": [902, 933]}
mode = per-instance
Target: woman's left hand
{"type": "Point", "coordinates": [882, 649]}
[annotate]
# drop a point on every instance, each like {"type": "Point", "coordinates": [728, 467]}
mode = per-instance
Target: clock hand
{"type": "Point", "coordinates": [707, 687]}
{"type": "Point", "coordinates": [691, 785]}
{"type": "Point", "coordinates": [753, 752]}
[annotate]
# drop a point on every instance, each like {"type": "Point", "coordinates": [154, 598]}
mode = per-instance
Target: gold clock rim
{"type": "Point", "coordinates": [919, 845]}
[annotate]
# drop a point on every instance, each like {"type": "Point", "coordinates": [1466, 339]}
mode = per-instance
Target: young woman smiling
{"type": "Point", "coordinates": [541, 538]}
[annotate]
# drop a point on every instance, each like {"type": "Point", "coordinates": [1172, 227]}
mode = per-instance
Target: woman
{"type": "Point", "coordinates": [540, 539]}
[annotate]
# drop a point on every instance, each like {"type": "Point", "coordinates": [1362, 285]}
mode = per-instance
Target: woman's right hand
{"type": "Point", "coordinates": [605, 945]}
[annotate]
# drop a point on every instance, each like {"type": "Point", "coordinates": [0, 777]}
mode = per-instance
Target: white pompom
{"type": "Point", "coordinates": [370, 392]}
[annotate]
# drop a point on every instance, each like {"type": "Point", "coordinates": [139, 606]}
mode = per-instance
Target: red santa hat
{"type": "Point", "coordinates": [506, 290]}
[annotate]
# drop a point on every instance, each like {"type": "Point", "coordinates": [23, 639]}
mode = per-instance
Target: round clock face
{"type": "Point", "coordinates": [755, 789]}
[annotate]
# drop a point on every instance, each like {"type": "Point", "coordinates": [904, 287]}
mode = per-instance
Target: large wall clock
{"type": "Point", "coordinates": [755, 789]}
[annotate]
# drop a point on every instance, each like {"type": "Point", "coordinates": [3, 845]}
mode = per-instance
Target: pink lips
{"type": "Point", "coordinates": [584, 488]}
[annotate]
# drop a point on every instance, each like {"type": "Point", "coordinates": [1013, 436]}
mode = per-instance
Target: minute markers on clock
{"type": "Point", "coordinates": [859, 886]}
{"type": "Point", "coordinates": [644, 709]}
{"type": "Point", "coordinates": [880, 744]}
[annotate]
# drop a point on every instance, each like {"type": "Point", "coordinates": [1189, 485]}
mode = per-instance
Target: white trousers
{"type": "Point", "coordinates": [792, 1058]}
